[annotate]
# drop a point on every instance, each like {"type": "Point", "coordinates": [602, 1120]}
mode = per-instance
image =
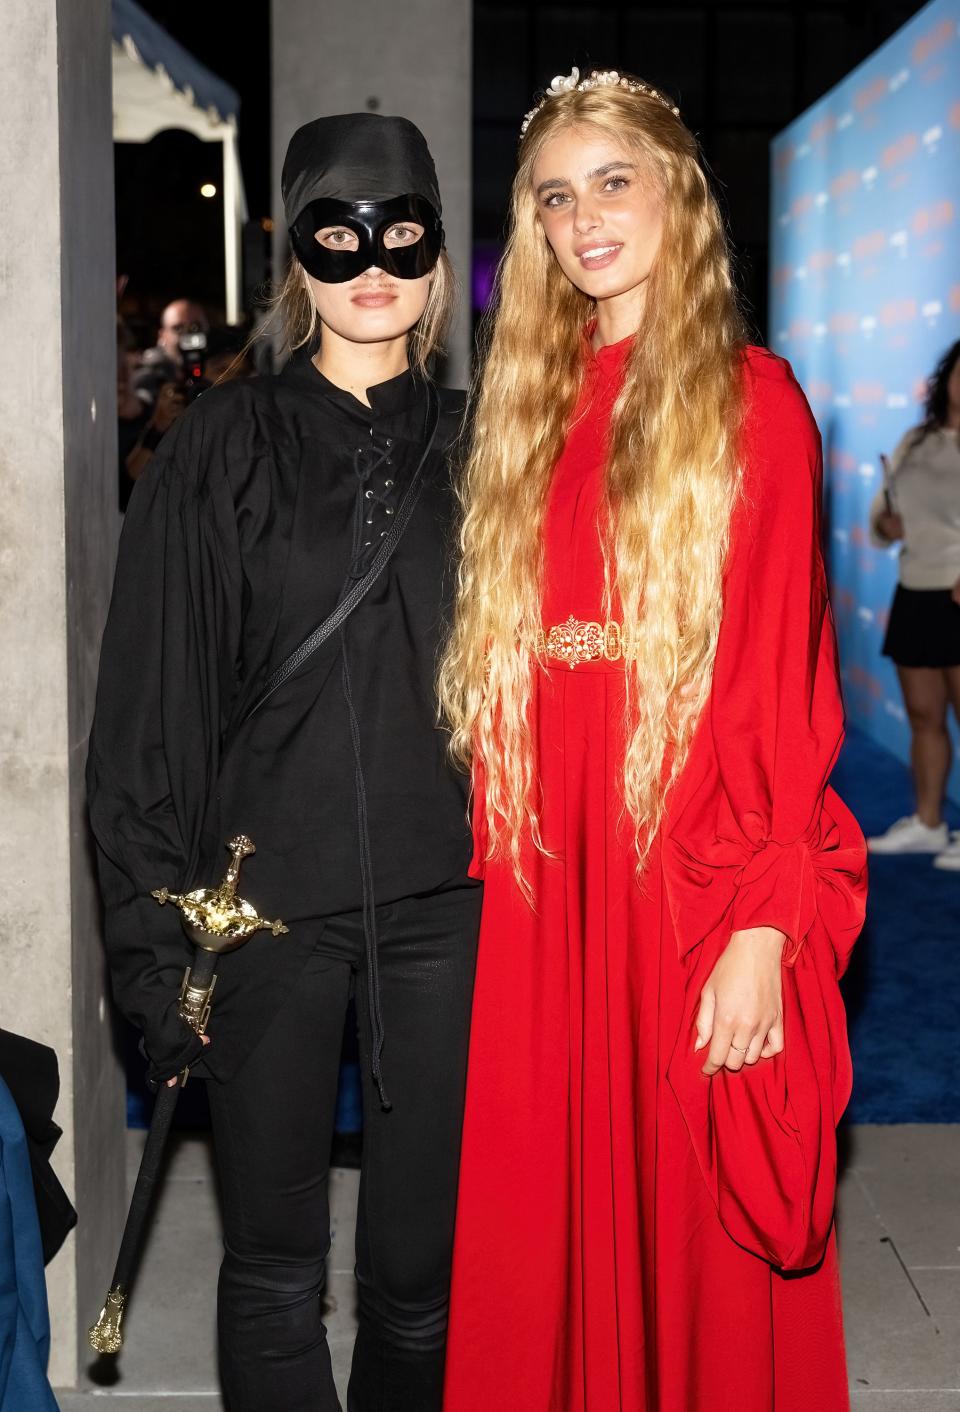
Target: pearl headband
{"type": "Point", "coordinates": [597, 78]}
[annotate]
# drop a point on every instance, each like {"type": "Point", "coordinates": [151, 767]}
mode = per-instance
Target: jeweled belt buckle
{"type": "Point", "coordinates": [579, 640]}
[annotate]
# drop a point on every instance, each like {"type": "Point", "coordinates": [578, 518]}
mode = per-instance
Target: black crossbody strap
{"type": "Point", "coordinates": [362, 587]}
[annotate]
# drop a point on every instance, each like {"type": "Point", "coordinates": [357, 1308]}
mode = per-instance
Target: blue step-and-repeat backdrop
{"type": "Point", "coordinates": [864, 298]}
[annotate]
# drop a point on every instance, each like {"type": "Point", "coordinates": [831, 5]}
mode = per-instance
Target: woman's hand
{"type": "Point", "coordinates": [889, 526]}
{"type": "Point", "coordinates": [955, 594]}
{"type": "Point", "coordinates": [172, 1083]}
{"type": "Point", "coordinates": [741, 1013]}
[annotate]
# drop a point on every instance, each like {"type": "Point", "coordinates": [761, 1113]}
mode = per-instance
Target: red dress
{"type": "Point", "coordinates": [630, 1234]}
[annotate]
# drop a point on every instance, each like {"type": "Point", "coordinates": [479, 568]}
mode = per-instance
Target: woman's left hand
{"type": "Point", "coordinates": [741, 1012]}
{"type": "Point", "coordinates": [956, 592]}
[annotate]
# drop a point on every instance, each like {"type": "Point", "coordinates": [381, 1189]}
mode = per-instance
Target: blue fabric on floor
{"type": "Point", "coordinates": [24, 1322]}
{"type": "Point", "coordinates": [903, 986]}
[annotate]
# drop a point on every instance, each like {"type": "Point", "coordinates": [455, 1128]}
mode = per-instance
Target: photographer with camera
{"type": "Point", "coordinates": [181, 319]}
{"type": "Point", "coordinates": [171, 376]}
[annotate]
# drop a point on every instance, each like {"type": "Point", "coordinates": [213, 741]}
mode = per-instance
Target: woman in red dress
{"type": "Point", "coordinates": [643, 676]}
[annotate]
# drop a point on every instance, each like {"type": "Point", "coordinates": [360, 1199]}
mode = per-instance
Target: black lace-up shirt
{"type": "Point", "coordinates": [237, 543]}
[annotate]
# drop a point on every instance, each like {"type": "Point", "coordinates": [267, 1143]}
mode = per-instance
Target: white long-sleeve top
{"type": "Point", "coordinates": [924, 489]}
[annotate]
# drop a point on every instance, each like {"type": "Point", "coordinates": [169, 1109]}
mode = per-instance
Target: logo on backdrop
{"type": "Point", "coordinates": [865, 296]}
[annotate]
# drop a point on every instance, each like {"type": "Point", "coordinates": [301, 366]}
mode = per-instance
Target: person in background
{"type": "Point", "coordinates": [143, 424]}
{"type": "Point", "coordinates": [129, 405]}
{"type": "Point", "coordinates": [920, 506]}
{"type": "Point", "coordinates": [132, 414]}
{"type": "Point", "coordinates": [164, 363]}
{"type": "Point", "coordinates": [155, 420]}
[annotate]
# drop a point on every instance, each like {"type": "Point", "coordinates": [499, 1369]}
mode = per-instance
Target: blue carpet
{"type": "Point", "coordinates": [903, 987]}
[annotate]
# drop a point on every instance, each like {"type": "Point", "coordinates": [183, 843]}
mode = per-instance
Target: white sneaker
{"type": "Point", "coordinates": [910, 835]}
{"type": "Point", "coordinates": [949, 859]}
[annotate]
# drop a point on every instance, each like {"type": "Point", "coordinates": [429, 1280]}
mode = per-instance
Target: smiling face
{"type": "Point", "coordinates": [601, 213]}
{"type": "Point", "coordinates": [375, 307]}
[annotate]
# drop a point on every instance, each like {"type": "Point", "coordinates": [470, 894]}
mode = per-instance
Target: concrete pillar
{"type": "Point", "coordinates": [413, 60]}
{"type": "Point", "coordinates": [58, 523]}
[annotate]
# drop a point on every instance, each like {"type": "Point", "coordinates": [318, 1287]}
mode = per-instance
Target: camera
{"type": "Point", "coordinates": [192, 344]}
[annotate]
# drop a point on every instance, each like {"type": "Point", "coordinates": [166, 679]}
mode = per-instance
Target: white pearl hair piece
{"type": "Point", "coordinates": [597, 78]}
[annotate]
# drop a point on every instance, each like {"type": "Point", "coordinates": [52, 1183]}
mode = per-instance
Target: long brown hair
{"type": "Point", "coordinates": [937, 406]}
{"type": "Point", "coordinates": [671, 478]}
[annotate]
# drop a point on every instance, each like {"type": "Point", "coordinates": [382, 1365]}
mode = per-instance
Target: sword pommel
{"type": "Point", "coordinates": [240, 847]}
{"type": "Point", "coordinates": [106, 1336]}
{"type": "Point", "coordinates": [215, 918]}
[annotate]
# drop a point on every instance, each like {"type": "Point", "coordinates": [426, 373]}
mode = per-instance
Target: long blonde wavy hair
{"type": "Point", "coordinates": [672, 477]}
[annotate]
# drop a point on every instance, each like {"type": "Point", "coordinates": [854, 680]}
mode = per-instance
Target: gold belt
{"type": "Point", "coordinates": [577, 641]}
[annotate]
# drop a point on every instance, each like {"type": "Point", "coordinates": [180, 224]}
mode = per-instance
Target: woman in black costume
{"type": "Point", "coordinates": [263, 506]}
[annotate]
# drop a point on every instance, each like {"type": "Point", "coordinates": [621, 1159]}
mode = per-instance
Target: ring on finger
{"type": "Point", "coordinates": [738, 1049]}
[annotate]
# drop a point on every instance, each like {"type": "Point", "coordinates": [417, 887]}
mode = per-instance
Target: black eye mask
{"type": "Point", "coordinates": [370, 221]}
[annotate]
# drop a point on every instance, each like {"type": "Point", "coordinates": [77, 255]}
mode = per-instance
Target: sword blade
{"type": "Point", "coordinates": [106, 1334]}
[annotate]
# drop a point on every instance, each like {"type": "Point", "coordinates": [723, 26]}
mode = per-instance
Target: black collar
{"type": "Point", "coordinates": [394, 397]}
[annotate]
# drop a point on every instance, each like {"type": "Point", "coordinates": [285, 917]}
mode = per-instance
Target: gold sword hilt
{"type": "Point", "coordinates": [215, 918]}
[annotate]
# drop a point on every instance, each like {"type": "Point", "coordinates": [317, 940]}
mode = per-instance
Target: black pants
{"type": "Point", "coordinates": [273, 1125]}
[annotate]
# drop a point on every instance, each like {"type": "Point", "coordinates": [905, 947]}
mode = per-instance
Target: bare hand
{"type": "Point", "coordinates": [890, 526]}
{"type": "Point", "coordinates": [741, 1010]}
{"type": "Point", "coordinates": [168, 406]}
{"type": "Point", "coordinates": [172, 1083]}
{"type": "Point", "coordinates": [955, 593]}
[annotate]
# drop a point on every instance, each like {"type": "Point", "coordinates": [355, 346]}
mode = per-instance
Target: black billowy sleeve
{"type": "Point", "coordinates": [166, 675]}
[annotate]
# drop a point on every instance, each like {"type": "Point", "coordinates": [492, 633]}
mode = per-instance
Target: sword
{"type": "Point", "coordinates": [216, 920]}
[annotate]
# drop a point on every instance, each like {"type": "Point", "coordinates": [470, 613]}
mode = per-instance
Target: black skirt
{"type": "Point", "coordinates": [924, 628]}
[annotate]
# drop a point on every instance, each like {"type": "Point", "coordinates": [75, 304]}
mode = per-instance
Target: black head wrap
{"type": "Point", "coordinates": [357, 157]}
{"type": "Point", "coordinates": [367, 172]}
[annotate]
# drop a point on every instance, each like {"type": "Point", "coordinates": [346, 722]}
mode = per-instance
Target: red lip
{"type": "Point", "coordinates": [373, 299]}
{"type": "Point", "coordinates": [591, 262]}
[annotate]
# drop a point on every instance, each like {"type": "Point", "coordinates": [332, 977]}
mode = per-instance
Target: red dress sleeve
{"type": "Point", "coordinates": [756, 837]}
{"type": "Point", "coordinates": [776, 714]}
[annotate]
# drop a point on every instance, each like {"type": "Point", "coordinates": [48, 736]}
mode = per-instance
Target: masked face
{"type": "Point", "coordinates": [336, 241]}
